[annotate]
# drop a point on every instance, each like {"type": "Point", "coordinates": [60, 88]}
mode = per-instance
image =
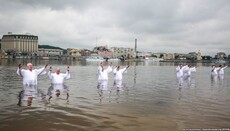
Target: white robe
{"type": "Point", "coordinates": [98, 72]}
{"type": "Point", "coordinates": [188, 71]}
{"type": "Point", "coordinates": [118, 73]}
{"type": "Point", "coordinates": [180, 71]}
{"type": "Point", "coordinates": [30, 77]}
{"type": "Point", "coordinates": [58, 79]}
{"type": "Point", "coordinates": [103, 75]}
{"type": "Point", "coordinates": [221, 70]}
{"type": "Point", "coordinates": [214, 71]}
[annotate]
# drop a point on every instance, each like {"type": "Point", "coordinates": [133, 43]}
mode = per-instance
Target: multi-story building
{"type": "Point", "coordinates": [123, 52]}
{"type": "Point", "coordinates": [103, 51]}
{"type": "Point", "coordinates": [73, 52]}
{"type": "Point", "coordinates": [49, 52]}
{"type": "Point", "coordinates": [20, 43]}
{"type": "Point", "coordinates": [78, 52]}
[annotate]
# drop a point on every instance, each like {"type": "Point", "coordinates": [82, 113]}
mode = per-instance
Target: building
{"type": "Point", "coordinates": [103, 51]}
{"type": "Point", "coordinates": [158, 55]}
{"type": "Point", "coordinates": [20, 43]}
{"type": "Point", "coordinates": [169, 56]}
{"type": "Point", "coordinates": [220, 55]}
{"type": "Point", "coordinates": [78, 52]}
{"type": "Point", "coordinates": [126, 53]}
{"type": "Point", "coordinates": [49, 52]}
{"type": "Point", "coordinates": [73, 52]}
{"type": "Point", "coordinates": [199, 57]}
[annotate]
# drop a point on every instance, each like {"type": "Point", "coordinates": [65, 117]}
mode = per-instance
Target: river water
{"type": "Point", "coordinates": [150, 99]}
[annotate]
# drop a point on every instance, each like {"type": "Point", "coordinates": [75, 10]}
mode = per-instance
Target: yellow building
{"type": "Point", "coordinates": [73, 52]}
{"type": "Point", "coordinates": [199, 56]}
{"type": "Point", "coordinates": [20, 43]}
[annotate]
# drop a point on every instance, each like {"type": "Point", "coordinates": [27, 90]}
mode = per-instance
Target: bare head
{"type": "Point", "coordinates": [118, 67]}
{"type": "Point", "coordinates": [58, 71]}
{"type": "Point", "coordinates": [30, 66]}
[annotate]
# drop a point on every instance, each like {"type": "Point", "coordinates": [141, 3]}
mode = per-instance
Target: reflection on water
{"type": "Point", "coordinates": [55, 90]}
{"type": "Point", "coordinates": [28, 94]}
{"type": "Point", "coordinates": [148, 98]}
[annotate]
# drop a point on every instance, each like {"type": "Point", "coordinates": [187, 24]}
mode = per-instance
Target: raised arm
{"type": "Point", "coordinates": [115, 70]}
{"type": "Point", "coordinates": [19, 70]}
{"type": "Point", "coordinates": [49, 73]}
{"type": "Point", "coordinates": [42, 71]}
{"type": "Point", "coordinates": [225, 67]}
{"type": "Point", "coordinates": [109, 69]}
{"type": "Point", "coordinates": [67, 74]}
{"type": "Point", "coordinates": [124, 70]}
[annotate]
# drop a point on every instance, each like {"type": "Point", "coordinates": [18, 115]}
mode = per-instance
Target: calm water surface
{"type": "Point", "coordinates": [150, 99]}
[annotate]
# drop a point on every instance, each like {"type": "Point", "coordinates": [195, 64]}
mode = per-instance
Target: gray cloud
{"type": "Point", "coordinates": [160, 26]}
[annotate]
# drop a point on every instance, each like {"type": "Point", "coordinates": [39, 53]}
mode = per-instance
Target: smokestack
{"type": "Point", "coordinates": [136, 47]}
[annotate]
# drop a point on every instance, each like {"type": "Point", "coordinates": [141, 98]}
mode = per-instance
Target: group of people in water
{"type": "Point", "coordinates": [29, 78]}
{"type": "Point", "coordinates": [103, 77]}
{"type": "Point", "coordinates": [30, 75]}
{"type": "Point", "coordinates": [183, 72]}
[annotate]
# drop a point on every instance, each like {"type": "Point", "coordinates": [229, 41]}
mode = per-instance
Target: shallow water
{"type": "Point", "coordinates": [150, 99]}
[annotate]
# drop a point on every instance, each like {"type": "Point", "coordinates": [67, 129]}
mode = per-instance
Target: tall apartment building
{"type": "Point", "coordinates": [20, 43]}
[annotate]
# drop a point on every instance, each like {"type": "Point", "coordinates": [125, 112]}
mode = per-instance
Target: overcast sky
{"type": "Point", "coordinates": [168, 26]}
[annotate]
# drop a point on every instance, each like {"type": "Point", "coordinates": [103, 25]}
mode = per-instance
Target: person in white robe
{"type": "Point", "coordinates": [180, 71]}
{"type": "Point", "coordinates": [188, 70]}
{"type": "Point", "coordinates": [30, 75]}
{"type": "Point", "coordinates": [57, 77]}
{"type": "Point", "coordinates": [118, 75]}
{"type": "Point", "coordinates": [103, 73]}
{"type": "Point", "coordinates": [179, 74]}
{"type": "Point", "coordinates": [57, 82]}
{"type": "Point", "coordinates": [221, 69]}
{"type": "Point", "coordinates": [214, 70]}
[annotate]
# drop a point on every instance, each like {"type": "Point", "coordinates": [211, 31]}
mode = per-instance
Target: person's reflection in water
{"type": "Point", "coordinates": [118, 85]}
{"type": "Point", "coordinates": [28, 94]}
{"type": "Point", "coordinates": [55, 90]}
{"type": "Point", "coordinates": [103, 88]}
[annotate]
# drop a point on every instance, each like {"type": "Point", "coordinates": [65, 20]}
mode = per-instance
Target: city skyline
{"type": "Point", "coordinates": [159, 26]}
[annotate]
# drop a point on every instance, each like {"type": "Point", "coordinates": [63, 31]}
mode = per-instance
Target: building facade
{"type": "Point", "coordinates": [49, 52]}
{"type": "Point", "coordinates": [123, 52]}
{"type": "Point", "coordinates": [78, 52]}
{"type": "Point", "coordinates": [20, 43]}
{"type": "Point", "coordinates": [169, 56]}
{"type": "Point", "coordinates": [103, 51]}
{"type": "Point", "coordinates": [220, 55]}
